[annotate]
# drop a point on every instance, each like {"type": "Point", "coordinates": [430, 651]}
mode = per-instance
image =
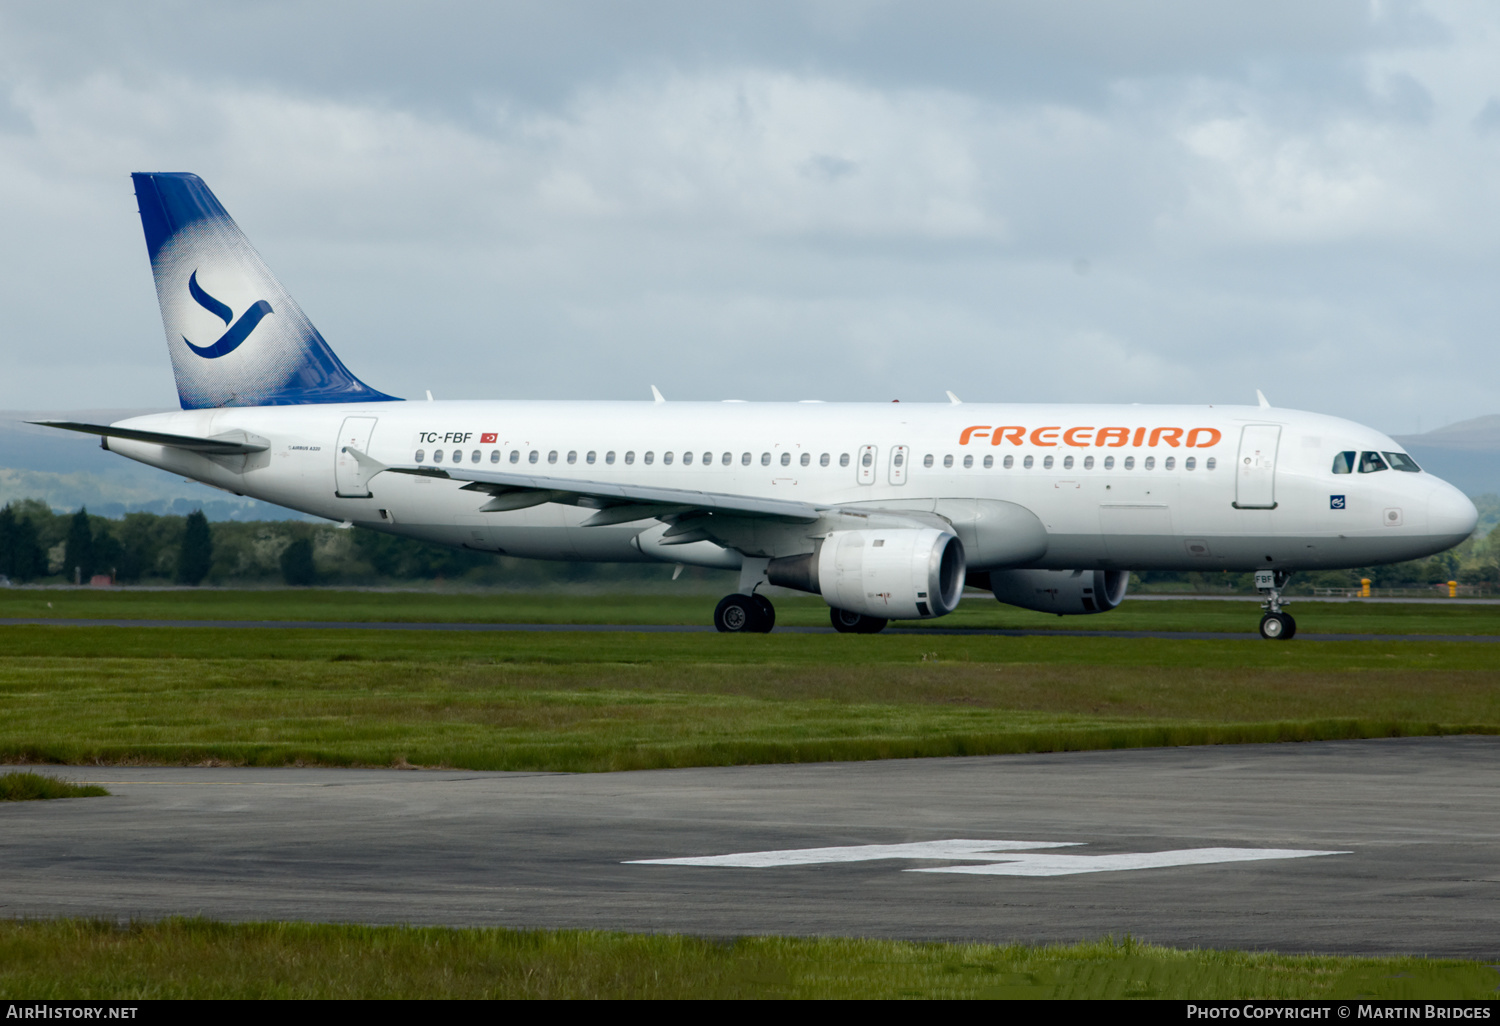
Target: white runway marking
{"type": "Point", "coordinates": [981, 851]}
{"type": "Point", "coordinates": [1000, 858]}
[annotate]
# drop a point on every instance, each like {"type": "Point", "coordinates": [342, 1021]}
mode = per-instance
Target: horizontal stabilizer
{"type": "Point", "coordinates": [229, 444]}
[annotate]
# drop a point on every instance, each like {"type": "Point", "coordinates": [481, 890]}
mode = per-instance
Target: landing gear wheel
{"type": "Point", "coordinates": [1278, 627]}
{"type": "Point", "coordinates": [737, 614]}
{"type": "Point", "coordinates": [767, 614]}
{"type": "Point", "coordinates": [846, 622]}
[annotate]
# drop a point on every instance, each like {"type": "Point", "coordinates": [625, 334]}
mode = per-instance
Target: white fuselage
{"type": "Point", "coordinates": [1116, 487]}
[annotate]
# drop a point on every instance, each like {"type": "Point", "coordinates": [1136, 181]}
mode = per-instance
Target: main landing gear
{"type": "Point", "coordinates": [1274, 624]}
{"type": "Point", "coordinates": [846, 622]}
{"type": "Point", "coordinates": [745, 614]}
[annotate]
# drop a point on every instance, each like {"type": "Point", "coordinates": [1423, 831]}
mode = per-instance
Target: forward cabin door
{"type": "Point", "coordinates": [899, 456]}
{"type": "Point", "coordinates": [349, 477]}
{"type": "Point", "coordinates": [1255, 470]}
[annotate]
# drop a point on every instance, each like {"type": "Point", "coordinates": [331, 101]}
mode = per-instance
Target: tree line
{"type": "Point", "coordinates": [37, 544]}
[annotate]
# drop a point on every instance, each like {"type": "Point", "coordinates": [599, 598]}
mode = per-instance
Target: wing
{"type": "Point", "coordinates": [616, 503]}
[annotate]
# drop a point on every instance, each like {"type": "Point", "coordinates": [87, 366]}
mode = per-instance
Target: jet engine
{"type": "Point", "coordinates": [897, 574]}
{"type": "Point", "coordinates": [1064, 592]}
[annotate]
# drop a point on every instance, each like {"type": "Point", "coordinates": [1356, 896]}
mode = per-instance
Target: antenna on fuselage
{"type": "Point", "coordinates": [1265, 403]}
{"type": "Point", "coordinates": [955, 400]}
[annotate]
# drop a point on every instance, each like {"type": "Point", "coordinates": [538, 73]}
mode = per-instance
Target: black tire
{"type": "Point", "coordinates": [846, 622]}
{"type": "Point", "coordinates": [767, 621]}
{"type": "Point", "coordinates": [1277, 627]}
{"type": "Point", "coordinates": [737, 614]}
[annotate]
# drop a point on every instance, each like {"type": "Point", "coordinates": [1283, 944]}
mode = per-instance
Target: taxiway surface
{"type": "Point", "coordinates": [1418, 819]}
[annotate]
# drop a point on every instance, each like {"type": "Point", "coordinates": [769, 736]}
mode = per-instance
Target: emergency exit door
{"type": "Point", "coordinates": [1255, 470]}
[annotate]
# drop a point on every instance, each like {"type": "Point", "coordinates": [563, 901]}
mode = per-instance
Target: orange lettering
{"type": "Point", "coordinates": [1071, 436]}
{"type": "Point", "coordinates": [1213, 437]}
{"type": "Point", "coordinates": [1140, 435]}
{"type": "Point", "coordinates": [1172, 436]}
{"type": "Point", "coordinates": [1013, 435]}
{"type": "Point", "coordinates": [1114, 437]}
{"type": "Point", "coordinates": [1037, 436]}
{"type": "Point", "coordinates": [982, 430]}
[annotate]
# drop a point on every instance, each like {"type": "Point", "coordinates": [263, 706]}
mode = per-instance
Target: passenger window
{"type": "Point", "coordinates": [1028, 462]}
{"type": "Point", "coordinates": [1171, 463]}
{"type": "Point", "coordinates": [609, 457]}
{"type": "Point", "coordinates": [927, 461]}
{"type": "Point", "coordinates": [1401, 461]}
{"type": "Point", "coordinates": [1129, 462]}
{"type": "Point", "coordinates": [1210, 463]}
{"type": "Point", "coordinates": [744, 459]}
{"type": "Point", "coordinates": [1190, 463]}
{"type": "Point", "coordinates": [1088, 463]}
{"type": "Point", "coordinates": [572, 456]}
{"type": "Point", "coordinates": [1067, 463]}
{"type": "Point", "coordinates": [458, 456]}
{"type": "Point", "coordinates": [1343, 462]}
{"type": "Point", "coordinates": [1150, 463]}
{"type": "Point", "coordinates": [552, 456]}
{"type": "Point", "coordinates": [1010, 461]}
{"type": "Point", "coordinates": [474, 456]}
{"type": "Point", "coordinates": [494, 455]}
{"type": "Point", "coordinates": [948, 460]}
{"type": "Point", "coordinates": [989, 461]}
{"type": "Point", "coordinates": [807, 459]}
{"type": "Point", "coordinates": [650, 457]}
{"type": "Point", "coordinates": [708, 459]}
{"type": "Point", "coordinates": [843, 459]}
{"type": "Point", "coordinates": [728, 458]}
{"type": "Point", "coordinates": [823, 460]}
{"type": "Point", "coordinates": [437, 455]}
{"type": "Point", "coordinates": [589, 459]}
{"type": "Point", "coordinates": [629, 457]}
{"type": "Point", "coordinates": [1047, 463]}
{"type": "Point", "coordinates": [1109, 463]}
{"type": "Point", "coordinates": [535, 455]}
{"type": "Point", "coordinates": [421, 455]}
{"type": "Point", "coordinates": [786, 459]}
{"type": "Point", "coordinates": [515, 455]}
{"type": "Point", "coordinates": [968, 462]}
{"type": "Point", "coordinates": [687, 459]}
{"type": "Point", "coordinates": [666, 459]}
{"type": "Point", "coordinates": [866, 460]}
{"type": "Point", "coordinates": [765, 459]}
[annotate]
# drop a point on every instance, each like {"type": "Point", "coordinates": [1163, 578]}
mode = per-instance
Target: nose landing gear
{"type": "Point", "coordinates": [1274, 624]}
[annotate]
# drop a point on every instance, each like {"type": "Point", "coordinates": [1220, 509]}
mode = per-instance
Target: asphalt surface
{"type": "Point", "coordinates": [1418, 821]}
{"type": "Point", "coordinates": [658, 628]}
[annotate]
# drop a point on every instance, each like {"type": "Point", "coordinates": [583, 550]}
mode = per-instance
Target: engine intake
{"type": "Point", "coordinates": [898, 574]}
{"type": "Point", "coordinates": [1064, 592]}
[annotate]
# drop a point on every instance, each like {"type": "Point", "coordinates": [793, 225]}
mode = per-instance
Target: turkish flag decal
{"type": "Point", "coordinates": [488, 438]}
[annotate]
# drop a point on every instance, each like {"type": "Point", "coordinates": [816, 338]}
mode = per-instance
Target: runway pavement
{"type": "Point", "coordinates": [649, 628]}
{"type": "Point", "coordinates": [1357, 846]}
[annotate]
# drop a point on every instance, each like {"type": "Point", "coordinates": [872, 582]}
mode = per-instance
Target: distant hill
{"type": "Point", "coordinates": [67, 470]}
{"type": "Point", "coordinates": [1466, 453]}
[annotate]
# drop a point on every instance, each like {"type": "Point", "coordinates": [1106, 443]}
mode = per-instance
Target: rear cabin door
{"type": "Point", "coordinates": [349, 477]}
{"type": "Point", "coordinates": [1255, 470]}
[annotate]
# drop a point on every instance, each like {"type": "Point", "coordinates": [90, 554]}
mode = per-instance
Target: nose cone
{"type": "Point", "coordinates": [1450, 514]}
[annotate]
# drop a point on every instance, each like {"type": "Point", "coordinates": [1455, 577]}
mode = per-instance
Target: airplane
{"type": "Point", "coordinates": [885, 510]}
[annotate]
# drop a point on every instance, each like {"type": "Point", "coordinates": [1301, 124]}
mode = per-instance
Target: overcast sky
{"type": "Point", "coordinates": [1049, 201]}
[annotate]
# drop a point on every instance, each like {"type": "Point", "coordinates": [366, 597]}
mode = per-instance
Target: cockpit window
{"type": "Point", "coordinates": [1371, 463]}
{"type": "Point", "coordinates": [1343, 462]}
{"type": "Point", "coordinates": [1401, 461]}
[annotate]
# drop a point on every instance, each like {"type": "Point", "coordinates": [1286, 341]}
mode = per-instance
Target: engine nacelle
{"type": "Point", "coordinates": [897, 574]}
{"type": "Point", "coordinates": [1064, 592]}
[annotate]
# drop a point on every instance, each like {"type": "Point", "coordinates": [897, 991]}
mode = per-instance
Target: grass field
{"type": "Point", "coordinates": [197, 959]}
{"type": "Point", "coordinates": [28, 787]}
{"type": "Point", "coordinates": [609, 701]}
{"type": "Point", "coordinates": [976, 610]}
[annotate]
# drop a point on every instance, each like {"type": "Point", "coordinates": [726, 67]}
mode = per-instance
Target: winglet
{"type": "Point", "coordinates": [955, 400]}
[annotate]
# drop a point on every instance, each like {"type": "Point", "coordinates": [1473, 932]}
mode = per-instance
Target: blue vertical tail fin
{"type": "Point", "coordinates": [237, 338]}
